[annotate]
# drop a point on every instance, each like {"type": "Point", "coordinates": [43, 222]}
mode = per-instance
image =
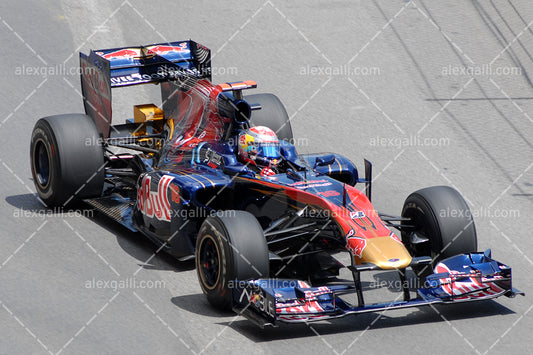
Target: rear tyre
{"type": "Point", "coordinates": [272, 114]}
{"type": "Point", "coordinates": [67, 159]}
{"type": "Point", "coordinates": [440, 215]}
{"type": "Point", "coordinates": [230, 247]}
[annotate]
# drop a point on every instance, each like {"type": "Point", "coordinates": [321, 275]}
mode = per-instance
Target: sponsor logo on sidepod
{"type": "Point", "coordinates": [154, 203]}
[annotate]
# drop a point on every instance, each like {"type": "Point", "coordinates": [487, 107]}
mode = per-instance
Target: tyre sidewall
{"type": "Point", "coordinates": [76, 158]}
{"type": "Point", "coordinates": [449, 233]}
{"type": "Point", "coordinates": [218, 295]}
{"type": "Point", "coordinates": [417, 208]}
{"type": "Point", "coordinates": [241, 243]}
{"type": "Point", "coordinates": [42, 132]}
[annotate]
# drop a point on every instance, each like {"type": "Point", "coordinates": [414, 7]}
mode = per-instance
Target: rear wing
{"type": "Point", "coordinates": [117, 67]}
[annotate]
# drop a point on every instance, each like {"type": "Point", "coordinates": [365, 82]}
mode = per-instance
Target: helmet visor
{"type": "Point", "coordinates": [269, 150]}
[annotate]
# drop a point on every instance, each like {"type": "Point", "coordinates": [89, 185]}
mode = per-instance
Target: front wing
{"type": "Point", "coordinates": [462, 278]}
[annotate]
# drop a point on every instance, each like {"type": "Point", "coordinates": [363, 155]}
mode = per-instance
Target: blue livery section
{"type": "Point", "coordinates": [462, 278]}
{"type": "Point", "coordinates": [157, 62]}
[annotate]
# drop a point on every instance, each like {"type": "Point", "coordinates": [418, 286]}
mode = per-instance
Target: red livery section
{"type": "Point", "coordinates": [121, 54]}
{"type": "Point", "coordinates": [162, 50]}
{"type": "Point", "coordinates": [155, 203]}
{"type": "Point", "coordinates": [356, 245]}
{"type": "Point", "coordinates": [463, 286]}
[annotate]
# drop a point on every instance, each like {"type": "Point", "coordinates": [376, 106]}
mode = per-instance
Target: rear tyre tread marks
{"type": "Point", "coordinates": [512, 53]}
{"type": "Point", "coordinates": [530, 30]}
{"type": "Point", "coordinates": [446, 110]}
{"type": "Point", "coordinates": [460, 57]}
{"type": "Point", "coordinates": [432, 92]}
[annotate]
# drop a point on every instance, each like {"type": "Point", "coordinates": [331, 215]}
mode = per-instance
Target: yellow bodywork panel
{"type": "Point", "coordinates": [386, 253]}
{"type": "Point", "coordinates": [145, 113]}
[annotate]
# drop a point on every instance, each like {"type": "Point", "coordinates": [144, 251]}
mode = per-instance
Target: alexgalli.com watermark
{"type": "Point", "coordinates": [224, 71]}
{"type": "Point", "coordinates": [130, 283]}
{"type": "Point", "coordinates": [51, 70]}
{"type": "Point", "coordinates": [397, 285]}
{"type": "Point", "coordinates": [51, 212]}
{"type": "Point", "coordinates": [481, 212]}
{"type": "Point", "coordinates": [480, 70]}
{"type": "Point", "coordinates": [64, 70]}
{"type": "Point", "coordinates": [297, 142]}
{"type": "Point", "coordinates": [409, 141]}
{"type": "Point", "coordinates": [338, 70]}
{"type": "Point", "coordinates": [266, 283]}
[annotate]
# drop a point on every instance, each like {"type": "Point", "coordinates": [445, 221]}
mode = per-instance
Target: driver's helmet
{"type": "Point", "coordinates": [259, 146]}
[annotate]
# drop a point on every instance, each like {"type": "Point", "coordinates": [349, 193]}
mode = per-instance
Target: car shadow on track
{"type": "Point", "coordinates": [368, 322]}
{"type": "Point", "coordinates": [386, 280]}
{"type": "Point", "coordinates": [133, 243]}
{"type": "Point", "coordinates": [28, 203]}
{"type": "Point", "coordinates": [140, 247]}
{"type": "Point", "coordinates": [198, 304]}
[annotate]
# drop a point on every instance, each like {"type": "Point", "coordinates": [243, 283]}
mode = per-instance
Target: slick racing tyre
{"type": "Point", "coordinates": [67, 159]}
{"type": "Point", "coordinates": [230, 247]}
{"type": "Point", "coordinates": [442, 225]}
{"type": "Point", "coordinates": [272, 115]}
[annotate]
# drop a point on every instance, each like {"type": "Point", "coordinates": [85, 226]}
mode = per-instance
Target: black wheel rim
{"type": "Point", "coordinates": [209, 262]}
{"type": "Point", "coordinates": [41, 161]}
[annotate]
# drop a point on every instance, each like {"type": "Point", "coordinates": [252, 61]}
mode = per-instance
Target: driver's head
{"type": "Point", "coordinates": [259, 146]}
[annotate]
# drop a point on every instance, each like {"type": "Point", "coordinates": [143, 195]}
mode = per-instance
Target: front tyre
{"type": "Point", "coordinates": [230, 247]}
{"type": "Point", "coordinates": [442, 225]}
{"type": "Point", "coordinates": [67, 159]}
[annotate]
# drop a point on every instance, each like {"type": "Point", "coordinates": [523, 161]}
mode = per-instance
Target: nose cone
{"type": "Point", "coordinates": [386, 252]}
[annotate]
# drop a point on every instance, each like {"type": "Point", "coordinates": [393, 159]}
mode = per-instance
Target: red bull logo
{"type": "Point", "coordinates": [162, 50]}
{"type": "Point", "coordinates": [154, 203]}
{"type": "Point", "coordinates": [120, 54]}
{"type": "Point", "coordinates": [130, 53]}
{"type": "Point", "coordinates": [356, 245]}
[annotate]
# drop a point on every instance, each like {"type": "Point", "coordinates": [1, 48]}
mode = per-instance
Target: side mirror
{"type": "Point", "coordinates": [323, 160]}
{"type": "Point", "coordinates": [291, 174]}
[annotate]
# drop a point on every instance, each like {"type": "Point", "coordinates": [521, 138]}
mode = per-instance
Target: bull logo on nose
{"type": "Point", "coordinates": [355, 245]}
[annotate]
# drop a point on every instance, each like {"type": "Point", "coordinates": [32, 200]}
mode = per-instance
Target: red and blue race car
{"type": "Point", "coordinates": [212, 175]}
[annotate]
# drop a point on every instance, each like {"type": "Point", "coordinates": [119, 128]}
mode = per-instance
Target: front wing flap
{"type": "Point", "coordinates": [467, 277]}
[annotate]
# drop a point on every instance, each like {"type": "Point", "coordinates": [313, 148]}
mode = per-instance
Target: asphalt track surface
{"type": "Point", "coordinates": [403, 83]}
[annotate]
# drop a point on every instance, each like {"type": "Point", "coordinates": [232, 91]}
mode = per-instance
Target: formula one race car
{"type": "Point", "coordinates": [213, 175]}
